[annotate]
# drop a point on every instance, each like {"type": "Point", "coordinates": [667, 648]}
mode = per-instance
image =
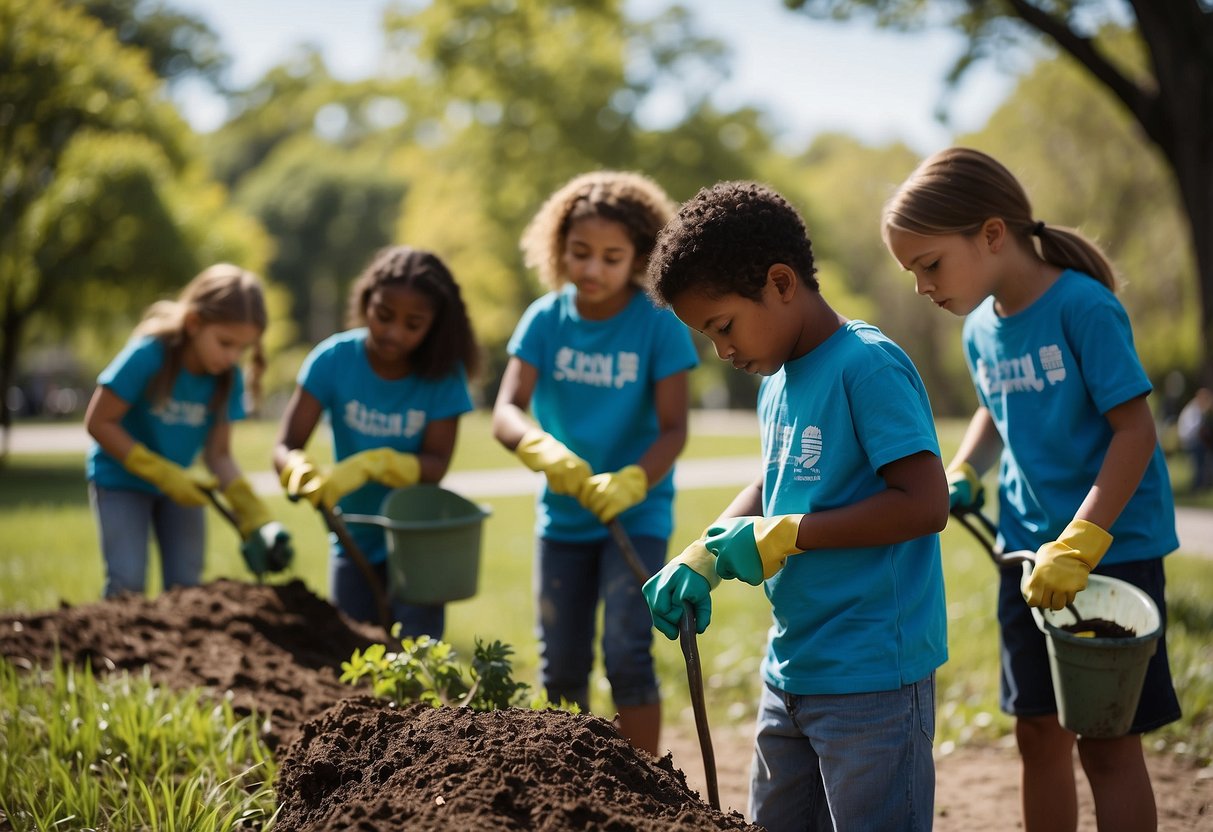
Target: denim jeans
{"type": "Point", "coordinates": [570, 579]}
{"type": "Point", "coordinates": [352, 596]}
{"type": "Point", "coordinates": [124, 519]}
{"type": "Point", "coordinates": [841, 762]}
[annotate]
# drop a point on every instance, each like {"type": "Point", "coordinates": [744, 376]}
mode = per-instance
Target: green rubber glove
{"type": "Point", "coordinates": [964, 487]}
{"type": "Point", "coordinates": [689, 577]}
{"type": "Point", "coordinates": [566, 472]}
{"type": "Point", "coordinates": [609, 495]}
{"type": "Point", "coordinates": [265, 545]}
{"type": "Point", "coordinates": [1062, 566]}
{"type": "Point", "coordinates": [297, 472]}
{"type": "Point", "coordinates": [753, 549]}
{"type": "Point", "coordinates": [268, 549]}
{"type": "Point", "coordinates": [382, 465]}
{"type": "Point", "coordinates": [182, 485]}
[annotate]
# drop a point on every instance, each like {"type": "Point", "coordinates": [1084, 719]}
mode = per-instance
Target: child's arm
{"type": "Point", "coordinates": [979, 449]}
{"type": "Point", "coordinates": [217, 453]}
{"type": "Point", "coordinates": [437, 447]}
{"type": "Point", "coordinates": [104, 423]}
{"type": "Point", "coordinates": [566, 472]}
{"type": "Point", "coordinates": [1062, 566]}
{"type": "Point", "coordinates": [913, 503]}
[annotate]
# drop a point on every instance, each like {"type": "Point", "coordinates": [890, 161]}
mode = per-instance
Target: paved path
{"type": "Point", "coordinates": [1195, 526]}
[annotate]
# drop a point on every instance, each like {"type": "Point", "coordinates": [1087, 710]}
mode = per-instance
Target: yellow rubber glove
{"type": "Point", "coordinates": [250, 512]}
{"type": "Point", "coordinates": [566, 472]}
{"type": "Point", "coordinates": [964, 487]}
{"type": "Point", "coordinates": [1062, 566]}
{"type": "Point", "coordinates": [182, 485]}
{"type": "Point", "coordinates": [689, 577]}
{"type": "Point", "coordinates": [382, 465]}
{"type": "Point", "coordinates": [297, 472]}
{"type": "Point", "coordinates": [753, 549]}
{"type": "Point", "coordinates": [609, 495]}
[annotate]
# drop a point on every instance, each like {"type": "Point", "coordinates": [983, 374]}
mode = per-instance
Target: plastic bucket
{"type": "Point", "coordinates": [1098, 681]}
{"type": "Point", "coordinates": [433, 543]}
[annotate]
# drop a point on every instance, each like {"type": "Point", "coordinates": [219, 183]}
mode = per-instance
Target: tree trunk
{"type": "Point", "coordinates": [8, 367]}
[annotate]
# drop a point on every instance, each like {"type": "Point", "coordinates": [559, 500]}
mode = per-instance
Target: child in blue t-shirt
{"type": "Point", "coordinates": [173, 391]}
{"type": "Point", "coordinates": [394, 388]}
{"type": "Point", "coordinates": [840, 528]}
{"type": "Point", "coordinates": [605, 373]}
{"type": "Point", "coordinates": [1082, 479]}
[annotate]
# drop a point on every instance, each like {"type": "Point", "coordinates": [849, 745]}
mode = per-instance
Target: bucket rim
{"type": "Point", "coordinates": [1053, 631]}
{"type": "Point", "coordinates": [482, 512]}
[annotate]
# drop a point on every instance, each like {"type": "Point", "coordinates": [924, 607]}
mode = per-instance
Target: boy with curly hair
{"type": "Point", "coordinates": [841, 528]}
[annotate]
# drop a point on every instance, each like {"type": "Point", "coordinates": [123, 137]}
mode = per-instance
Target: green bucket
{"type": "Point", "coordinates": [433, 543]}
{"type": "Point", "coordinates": [1098, 681]}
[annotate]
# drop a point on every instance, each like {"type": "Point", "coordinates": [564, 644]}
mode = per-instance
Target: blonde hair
{"type": "Point", "coordinates": [631, 199]}
{"type": "Point", "coordinates": [956, 190]}
{"type": "Point", "coordinates": [220, 294]}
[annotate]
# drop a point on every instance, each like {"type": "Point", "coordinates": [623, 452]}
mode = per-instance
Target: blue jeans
{"type": "Point", "coordinates": [352, 596]}
{"type": "Point", "coordinates": [123, 521]}
{"type": "Point", "coordinates": [570, 579]}
{"type": "Point", "coordinates": [845, 761]}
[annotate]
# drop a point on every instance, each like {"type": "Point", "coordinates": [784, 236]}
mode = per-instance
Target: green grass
{"type": "Point", "coordinates": [50, 554]}
{"type": "Point", "coordinates": [122, 753]}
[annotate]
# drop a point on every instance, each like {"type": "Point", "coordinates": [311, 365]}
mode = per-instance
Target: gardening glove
{"type": "Point", "coordinates": [964, 487]}
{"type": "Point", "coordinates": [382, 465]}
{"type": "Point", "coordinates": [689, 577]}
{"type": "Point", "coordinates": [1062, 566]}
{"type": "Point", "coordinates": [182, 485]}
{"type": "Point", "coordinates": [753, 549]}
{"type": "Point", "coordinates": [608, 495]}
{"type": "Point", "coordinates": [297, 472]}
{"type": "Point", "coordinates": [566, 472]}
{"type": "Point", "coordinates": [265, 544]}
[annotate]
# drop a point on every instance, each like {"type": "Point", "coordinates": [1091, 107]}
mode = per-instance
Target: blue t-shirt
{"type": "Point", "coordinates": [595, 394]}
{"type": "Point", "coordinates": [367, 411]}
{"type": "Point", "coordinates": [1048, 375]}
{"type": "Point", "coordinates": [851, 620]}
{"type": "Point", "coordinates": [176, 429]}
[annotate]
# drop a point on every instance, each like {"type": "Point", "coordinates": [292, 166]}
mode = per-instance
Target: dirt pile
{"type": "Point", "coordinates": [352, 762]}
{"type": "Point", "coordinates": [363, 765]}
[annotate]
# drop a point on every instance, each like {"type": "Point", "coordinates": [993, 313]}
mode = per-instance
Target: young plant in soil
{"type": "Point", "coordinates": [427, 670]}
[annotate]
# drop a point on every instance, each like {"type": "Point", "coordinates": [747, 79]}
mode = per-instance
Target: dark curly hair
{"type": "Point", "coordinates": [450, 339]}
{"type": "Point", "coordinates": [724, 240]}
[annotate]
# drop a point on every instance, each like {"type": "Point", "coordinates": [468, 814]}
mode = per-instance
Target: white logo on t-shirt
{"type": "Point", "coordinates": [174, 412]}
{"type": "Point", "coordinates": [371, 422]}
{"type": "Point", "coordinates": [596, 368]}
{"type": "Point", "coordinates": [1015, 375]}
{"type": "Point", "coordinates": [810, 447]}
{"type": "Point", "coordinates": [1051, 360]}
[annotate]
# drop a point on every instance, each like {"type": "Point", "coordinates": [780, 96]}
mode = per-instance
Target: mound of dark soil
{"type": "Point", "coordinates": [351, 762]}
{"type": "Point", "coordinates": [364, 765]}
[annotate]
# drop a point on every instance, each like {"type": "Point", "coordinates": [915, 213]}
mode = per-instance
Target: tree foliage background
{"type": "Point", "coordinates": [483, 108]}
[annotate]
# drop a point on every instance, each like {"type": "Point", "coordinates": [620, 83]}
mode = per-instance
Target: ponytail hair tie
{"type": "Point", "coordinates": [1038, 229]}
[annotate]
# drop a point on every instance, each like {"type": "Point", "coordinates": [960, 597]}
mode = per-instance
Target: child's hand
{"type": "Point", "coordinates": [753, 549]}
{"type": "Point", "coordinates": [688, 577]}
{"type": "Point", "coordinates": [382, 465]}
{"type": "Point", "coordinates": [964, 487]}
{"type": "Point", "coordinates": [183, 486]}
{"type": "Point", "coordinates": [566, 472]}
{"type": "Point", "coordinates": [268, 549]}
{"type": "Point", "coordinates": [608, 495]}
{"type": "Point", "coordinates": [1062, 566]}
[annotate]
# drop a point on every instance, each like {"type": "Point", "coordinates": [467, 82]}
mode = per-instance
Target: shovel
{"type": "Point", "coordinates": [690, 654]}
{"type": "Point", "coordinates": [336, 525]}
{"type": "Point", "coordinates": [986, 532]}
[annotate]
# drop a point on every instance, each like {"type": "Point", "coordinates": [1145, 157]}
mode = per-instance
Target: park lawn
{"type": "Point", "coordinates": [50, 555]}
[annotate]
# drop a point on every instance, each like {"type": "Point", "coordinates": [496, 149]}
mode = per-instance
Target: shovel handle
{"type": "Point", "coordinates": [337, 526]}
{"type": "Point", "coordinates": [986, 532]}
{"type": "Point", "coordinates": [223, 509]}
{"type": "Point", "coordinates": [690, 653]}
{"type": "Point", "coordinates": [620, 535]}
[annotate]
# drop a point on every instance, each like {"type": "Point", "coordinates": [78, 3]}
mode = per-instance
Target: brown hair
{"type": "Point", "coordinates": [450, 339]}
{"type": "Point", "coordinates": [220, 294]}
{"type": "Point", "coordinates": [631, 199]}
{"type": "Point", "coordinates": [956, 190]}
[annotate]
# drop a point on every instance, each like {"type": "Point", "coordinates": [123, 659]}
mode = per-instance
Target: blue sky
{"type": "Point", "coordinates": [810, 76]}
